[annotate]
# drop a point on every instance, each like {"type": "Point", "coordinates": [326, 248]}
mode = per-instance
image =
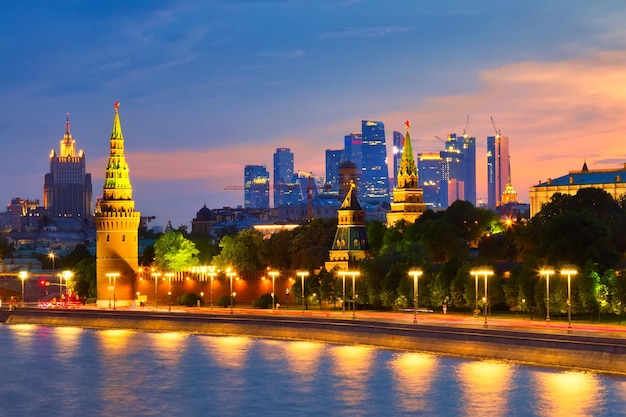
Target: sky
{"type": "Point", "coordinates": [209, 86]}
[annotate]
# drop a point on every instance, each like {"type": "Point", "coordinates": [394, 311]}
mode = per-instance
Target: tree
{"type": "Point", "coordinates": [244, 251]}
{"type": "Point", "coordinates": [84, 282]}
{"type": "Point", "coordinates": [174, 252]}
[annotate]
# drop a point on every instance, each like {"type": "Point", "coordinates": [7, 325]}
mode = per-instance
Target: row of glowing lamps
{"type": "Point", "coordinates": [212, 272]}
{"type": "Point", "coordinates": [567, 271]}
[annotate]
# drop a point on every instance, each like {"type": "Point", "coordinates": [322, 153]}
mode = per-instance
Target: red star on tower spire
{"type": "Point", "coordinates": [407, 124]}
{"type": "Point", "coordinates": [116, 105]}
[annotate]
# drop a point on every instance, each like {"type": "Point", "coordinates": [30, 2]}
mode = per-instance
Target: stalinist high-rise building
{"type": "Point", "coordinates": [117, 225]}
{"type": "Point", "coordinates": [67, 188]}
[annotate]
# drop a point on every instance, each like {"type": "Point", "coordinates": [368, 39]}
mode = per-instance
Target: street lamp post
{"type": "Point", "coordinates": [66, 275]}
{"type": "Point", "coordinates": [52, 256]}
{"type": "Point", "coordinates": [475, 274]}
{"type": "Point", "coordinates": [169, 276]}
{"type": "Point", "coordinates": [23, 275]}
{"type": "Point", "coordinates": [354, 275]}
{"type": "Point", "coordinates": [273, 274]}
{"type": "Point", "coordinates": [416, 273]}
{"type": "Point", "coordinates": [230, 274]}
{"type": "Point", "coordinates": [569, 271]}
{"type": "Point", "coordinates": [112, 276]}
{"type": "Point", "coordinates": [547, 273]}
{"type": "Point", "coordinates": [212, 275]}
{"type": "Point", "coordinates": [302, 274]}
{"type": "Point", "coordinates": [343, 296]}
{"type": "Point", "coordinates": [485, 272]}
{"type": "Point", "coordinates": [156, 276]}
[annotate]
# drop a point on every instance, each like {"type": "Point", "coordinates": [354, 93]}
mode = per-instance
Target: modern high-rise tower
{"type": "Point", "coordinates": [117, 228]}
{"type": "Point", "coordinates": [374, 187]}
{"type": "Point", "coordinates": [284, 185]}
{"type": "Point", "coordinates": [67, 188]}
{"type": "Point", "coordinates": [398, 146]}
{"type": "Point", "coordinates": [256, 187]}
{"type": "Point", "coordinates": [498, 168]}
{"type": "Point", "coordinates": [334, 158]}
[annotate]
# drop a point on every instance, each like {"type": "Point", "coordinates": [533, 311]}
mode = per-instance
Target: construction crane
{"type": "Point", "coordinates": [466, 131]}
{"type": "Point", "coordinates": [440, 140]}
{"type": "Point", "coordinates": [494, 126]}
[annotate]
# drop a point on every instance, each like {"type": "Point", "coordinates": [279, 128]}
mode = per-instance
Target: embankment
{"type": "Point", "coordinates": [601, 353]}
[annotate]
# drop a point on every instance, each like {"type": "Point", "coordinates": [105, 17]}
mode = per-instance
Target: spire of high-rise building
{"type": "Point", "coordinates": [67, 188]}
{"type": "Point", "coordinates": [117, 226]}
{"type": "Point", "coordinates": [407, 202]}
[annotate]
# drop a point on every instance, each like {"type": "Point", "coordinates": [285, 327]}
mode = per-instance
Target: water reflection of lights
{"type": "Point", "coordinates": [413, 373]}
{"type": "Point", "coordinates": [352, 370]}
{"type": "Point", "coordinates": [114, 341]}
{"type": "Point", "coordinates": [571, 394]}
{"type": "Point", "coordinates": [67, 341]}
{"type": "Point", "coordinates": [23, 334]}
{"type": "Point", "coordinates": [485, 387]}
{"type": "Point", "coordinates": [168, 346]}
{"type": "Point", "coordinates": [227, 351]}
{"type": "Point", "coordinates": [303, 359]}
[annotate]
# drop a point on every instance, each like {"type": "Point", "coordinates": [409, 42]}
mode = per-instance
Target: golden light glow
{"type": "Point", "coordinates": [227, 351]}
{"type": "Point", "coordinates": [567, 394]}
{"type": "Point", "coordinates": [168, 347]}
{"type": "Point", "coordinates": [114, 341]}
{"type": "Point", "coordinates": [303, 358]}
{"type": "Point", "coordinates": [485, 387]}
{"type": "Point", "coordinates": [409, 371]}
{"type": "Point", "coordinates": [67, 341]}
{"type": "Point", "coordinates": [352, 369]}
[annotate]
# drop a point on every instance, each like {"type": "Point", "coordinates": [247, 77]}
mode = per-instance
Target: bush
{"type": "Point", "coordinates": [224, 301]}
{"type": "Point", "coordinates": [264, 302]}
{"type": "Point", "coordinates": [189, 299]}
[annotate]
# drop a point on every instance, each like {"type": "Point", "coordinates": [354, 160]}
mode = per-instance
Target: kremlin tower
{"type": "Point", "coordinates": [408, 204]}
{"type": "Point", "coordinates": [117, 225]}
{"type": "Point", "coordinates": [350, 245]}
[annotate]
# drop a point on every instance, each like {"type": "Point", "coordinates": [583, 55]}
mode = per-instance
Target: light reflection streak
{"type": "Point", "coordinates": [303, 358]}
{"type": "Point", "coordinates": [114, 341]}
{"type": "Point", "coordinates": [351, 371]}
{"type": "Point", "coordinates": [413, 373]}
{"type": "Point", "coordinates": [571, 394]}
{"type": "Point", "coordinates": [485, 387]}
{"type": "Point", "coordinates": [67, 341]}
{"type": "Point", "coordinates": [620, 387]}
{"type": "Point", "coordinates": [23, 334]}
{"type": "Point", "coordinates": [227, 351]}
{"type": "Point", "coordinates": [168, 347]}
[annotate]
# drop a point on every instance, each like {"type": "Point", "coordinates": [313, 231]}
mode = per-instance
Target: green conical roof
{"type": "Point", "coordinates": [407, 174]}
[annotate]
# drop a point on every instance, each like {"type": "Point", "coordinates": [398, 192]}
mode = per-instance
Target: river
{"type": "Point", "coordinates": [70, 371]}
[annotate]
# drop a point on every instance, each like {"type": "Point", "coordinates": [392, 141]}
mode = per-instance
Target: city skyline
{"type": "Point", "coordinates": [207, 88]}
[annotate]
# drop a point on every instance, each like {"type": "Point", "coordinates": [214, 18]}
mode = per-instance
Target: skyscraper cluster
{"type": "Point", "coordinates": [444, 176]}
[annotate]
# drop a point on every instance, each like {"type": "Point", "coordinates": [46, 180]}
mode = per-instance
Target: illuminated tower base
{"type": "Point", "coordinates": [117, 230]}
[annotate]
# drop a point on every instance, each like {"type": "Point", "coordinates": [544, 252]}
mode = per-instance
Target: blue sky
{"type": "Point", "coordinates": [208, 86]}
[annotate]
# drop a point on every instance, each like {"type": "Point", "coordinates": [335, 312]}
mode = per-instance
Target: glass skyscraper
{"type": "Point", "coordinates": [334, 158]}
{"type": "Point", "coordinates": [284, 184]}
{"type": "Point", "coordinates": [374, 171]}
{"type": "Point", "coordinates": [256, 187]}
{"type": "Point", "coordinates": [398, 148]}
{"type": "Point", "coordinates": [498, 168]}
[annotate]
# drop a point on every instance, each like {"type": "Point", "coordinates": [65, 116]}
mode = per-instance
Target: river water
{"type": "Point", "coordinates": [67, 371]}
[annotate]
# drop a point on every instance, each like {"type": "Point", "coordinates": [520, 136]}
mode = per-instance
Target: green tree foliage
{"type": "Point", "coordinates": [244, 251]}
{"type": "Point", "coordinates": [147, 257]}
{"type": "Point", "coordinates": [174, 252]}
{"type": "Point", "coordinates": [375, 235]}
{"type": "Point", "coordinates": [6, 249]}
{"type": "Point", "coordinates": [84, 280]}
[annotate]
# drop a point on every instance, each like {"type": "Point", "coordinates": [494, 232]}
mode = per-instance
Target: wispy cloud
{"type": "Point", "coordinates": [293, 53]}
{"type": "Point", "coordinates": [365, 32]}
